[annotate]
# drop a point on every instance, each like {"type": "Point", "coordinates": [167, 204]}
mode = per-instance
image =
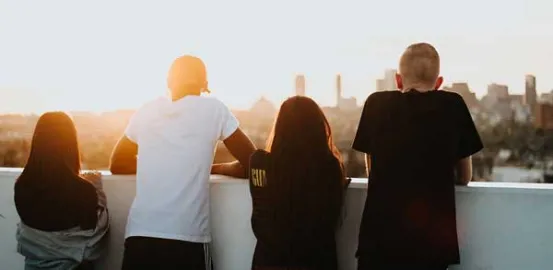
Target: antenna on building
{"type": "Point", "coordinates": [338, 89]}
{"type": "Point", "coordinates": [300, 85]}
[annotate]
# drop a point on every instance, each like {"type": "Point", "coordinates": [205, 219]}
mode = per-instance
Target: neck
{"type": "Point", "coordinates": [176, 95]}
{"type": "Point", "coordinates": [421, 89]}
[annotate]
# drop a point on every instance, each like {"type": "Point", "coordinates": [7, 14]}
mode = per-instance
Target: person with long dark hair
{"type": "Point", "coordinates": [63, 212]}
{"type": "Point", "coordinates": [297, 187]}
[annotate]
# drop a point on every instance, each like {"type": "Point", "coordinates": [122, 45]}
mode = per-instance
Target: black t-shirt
{"type": "Point", "coordinates": [284, 238]}
{"type": "Point", "coordinates": [414, 140]}
{"type": "Point", "coordinates": [57, 206]}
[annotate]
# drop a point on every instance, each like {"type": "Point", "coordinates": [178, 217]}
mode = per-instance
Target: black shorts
{"type": "Point", "coordinates": [155, 253]}
{"type": "Point", "coordinates": [364, 264]}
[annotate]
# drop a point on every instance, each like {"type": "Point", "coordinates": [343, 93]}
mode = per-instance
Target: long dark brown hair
{"type": "Point", "coordinates": [54, 154]}
{"type": "Point", "coordinates": [306, 167]}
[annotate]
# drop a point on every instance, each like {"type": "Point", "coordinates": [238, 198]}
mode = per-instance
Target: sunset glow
{"type": "Point", "coordinates": [107, 55]}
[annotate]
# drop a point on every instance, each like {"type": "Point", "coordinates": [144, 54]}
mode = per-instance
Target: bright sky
{"type": "Point", "coordinates": [104, 55]}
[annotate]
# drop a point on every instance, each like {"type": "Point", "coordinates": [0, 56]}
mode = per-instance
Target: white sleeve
{"type": "Point", "coordinates": [229, 123]}
{"type": "Point", "coordinates": [135, 125]}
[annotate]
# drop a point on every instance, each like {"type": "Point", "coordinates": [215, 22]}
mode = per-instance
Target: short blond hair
{"type": "Point", "coordinates": [419, 65]}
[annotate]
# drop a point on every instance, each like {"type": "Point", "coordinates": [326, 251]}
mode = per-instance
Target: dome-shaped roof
{"type": "Point", "coordinates": [264, 107]}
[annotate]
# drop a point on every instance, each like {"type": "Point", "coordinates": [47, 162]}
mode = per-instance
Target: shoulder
{"type": "Point", "coordinates": [450, 96]}
{"type": "Point", "coordinates": [159, 101]}
{"type": "Point", "coordinates": [84, 185]}
{"type": "Point", "coordinates": [212, 104]}
{"type": "Point", "coordinates": [455, 102]}
{"type": "Point", "coordinates": [147, 107]}
{"type": "Point", "coordinates": [381, 96]}
{"type": "Point", "coordinates": [210, 101]}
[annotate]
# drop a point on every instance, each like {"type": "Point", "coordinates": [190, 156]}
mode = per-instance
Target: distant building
{"type": "Point", "coordinates": [517, 99]}
{"type": "Point", "coordinates": [300, 85]}
{"type": "Point", "coordinates": [546, 98]}
{"type": "Point", "coordinates": [263, 108]}
{"type": "Point", "coordinates": [498, 91]}
{"type": "Point", "coordinates": [530, 94]}
{"type": "Point", "coordinates": [388, 82]}
{"type": "Point", "coordinates": [380, 85]}
{"type": "Point", "coordinates": [345, 104]}
{"type": "Point", "coordinates": [463, 89]}
{"type": "Point", "coordinates": [497, 96]}
{"type": "Point", "coordinates": [501, 105]}
{"type": "Point", "coordinates": [543, 116]}
{"type": "Point", "coordinates": [521, 113]}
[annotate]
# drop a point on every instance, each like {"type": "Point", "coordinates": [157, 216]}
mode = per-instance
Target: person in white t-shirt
{"type": "Point", "coordinates": [169, 144]}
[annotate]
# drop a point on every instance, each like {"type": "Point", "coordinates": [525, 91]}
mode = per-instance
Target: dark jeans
{"type": "Point", "coordinates": [155, 253]}
{"type": "Point", "coordinates": [86, 265]}
{"type": "Point", "coordinates": [278, 268]}
{"type": "Point", "coordinates": [363, 264]}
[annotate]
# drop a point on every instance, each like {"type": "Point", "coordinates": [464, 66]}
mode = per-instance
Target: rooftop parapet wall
{"type": "Point", "coordinates": [501, 226]}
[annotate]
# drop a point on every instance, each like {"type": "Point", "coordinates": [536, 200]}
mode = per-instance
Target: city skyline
{"type": "Point", "coordinates": [300, 85]}
{"type": "Point", "coordinates": [104, 56]}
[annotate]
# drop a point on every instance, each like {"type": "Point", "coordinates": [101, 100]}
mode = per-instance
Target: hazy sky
{"type": "Point", "coordinates": [104, 55]}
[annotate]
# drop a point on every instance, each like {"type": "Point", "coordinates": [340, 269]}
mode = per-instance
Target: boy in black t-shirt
{"type": "Point", "coordinates": [418, 143]}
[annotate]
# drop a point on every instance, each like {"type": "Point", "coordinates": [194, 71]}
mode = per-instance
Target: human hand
{"type": "Point", "coordinates": [93, 177]}
{"type": "Point", "coordinates": [216, 169]}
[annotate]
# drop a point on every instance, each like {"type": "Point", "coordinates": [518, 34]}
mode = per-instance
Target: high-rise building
{"type": "Point", "coordinates": [380, 85]}
{"type": "Point", "coordinates": [498, 95]}
{"type": "Point", "coordinates": [517, 99]}
{"type": "Point", "coordinates": [388, 82]}
{"type": "Point", "coordinates": [463, 89]}
{"type": "Point", "coordinates": [546, 98]}
{"type": "Point", "coordinates": [530, 95]}
{"type": "Point", "coordinates": [344, 104]}
{"type": "Point", "coordinates": [543, 116]}
{"type": "Point", "coordinates": [300, 85]}
{"type": "Point", "coordinates": [390, 79]}
{"type": "Point", "coordinates": [498, 91]}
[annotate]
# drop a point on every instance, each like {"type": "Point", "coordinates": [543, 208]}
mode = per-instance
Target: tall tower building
{"type": "Point", "coordinates": [390, 79]}
{"type": "Point", "coordinates": [300, 85]}
{"type": "Point", "coordinates": [380, 85]}
{"type": "Point", "coordinates": [530, 95]}
{"type": "Point", "coordinates": [338, 89]}
{"type": "Point", "coordinates": [388, 82]}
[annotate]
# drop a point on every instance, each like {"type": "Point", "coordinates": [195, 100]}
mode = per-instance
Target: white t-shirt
{"type": "Point", "coordinates": [176, 146]}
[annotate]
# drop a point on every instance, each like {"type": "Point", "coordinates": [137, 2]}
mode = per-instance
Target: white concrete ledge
{"type": "Point", "coordinates": [502, 226]}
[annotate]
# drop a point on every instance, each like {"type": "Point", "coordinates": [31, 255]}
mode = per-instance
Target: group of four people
{"type": "Point", "coordinates": [418, 142]}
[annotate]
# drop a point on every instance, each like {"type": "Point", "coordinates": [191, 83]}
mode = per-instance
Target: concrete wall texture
{"type": "Point", "coordinates": [501, 226]}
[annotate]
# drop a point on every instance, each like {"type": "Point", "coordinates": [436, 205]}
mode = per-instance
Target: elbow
{"type": "Point", "coordinates": [464, 178]}
{"type": "Point", "coordinates": [464, 181]}
{"type": "Point", "coordinates": [237, 170]}
{"type": "Point", "coordinates": [464, 171]}
{"type": "Point", "coordinates": [114, 169]}
{"type": "Point", "coordinates": [119, 168]}
{"type": "Point", "coordinates": [241, 172]}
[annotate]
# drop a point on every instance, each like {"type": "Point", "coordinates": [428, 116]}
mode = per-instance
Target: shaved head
{"type": "Point", "coordinates": [419, 68]}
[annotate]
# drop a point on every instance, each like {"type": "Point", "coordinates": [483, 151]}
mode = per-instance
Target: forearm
{"type": "Point", "coordinates": [120, 167]}
{"type": "Point", "coordinates": [462, 179]}
{"type": "Point", "coordinates": [368, 164]}
{"type": "Point", "coordinates": [463, 171]}
{"type": "Point", "coordinates": [123, 159]}
{"type": "Point", "coordinates": [234, 169]}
